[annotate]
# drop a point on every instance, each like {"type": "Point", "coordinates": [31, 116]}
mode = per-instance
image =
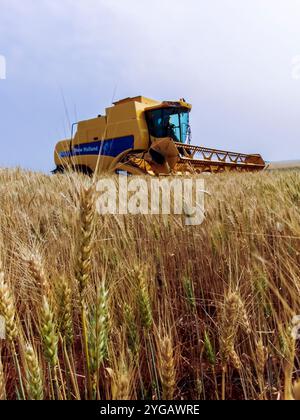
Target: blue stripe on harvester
{"type": "Point", "coordinates": [110, 148]}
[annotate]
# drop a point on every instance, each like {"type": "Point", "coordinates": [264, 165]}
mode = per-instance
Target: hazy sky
{"type": "Point", "coordinates": [231, 59]}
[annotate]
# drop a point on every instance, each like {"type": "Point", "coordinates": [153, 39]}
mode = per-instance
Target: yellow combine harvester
{"type": "Point", "coordinates": [143, 136]}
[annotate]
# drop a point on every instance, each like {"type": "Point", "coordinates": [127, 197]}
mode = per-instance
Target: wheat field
{"type": "Point", "coordinates": [140, 307]}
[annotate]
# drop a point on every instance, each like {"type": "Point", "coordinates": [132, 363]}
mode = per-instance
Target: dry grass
{"type": "Point", "coordinates": [142, 307]}
{"type": "Point", "coordinates": [292, 164]}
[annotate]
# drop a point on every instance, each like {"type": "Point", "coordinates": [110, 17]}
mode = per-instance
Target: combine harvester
{"type": "Point", "coordinates": [143, 136]}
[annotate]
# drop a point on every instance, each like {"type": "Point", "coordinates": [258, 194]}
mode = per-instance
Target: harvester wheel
{"type": "Point", "coordinates": [83, 169]}
{"type": "Point", "coordinates": [80, 169]}
{"type": "Point", "coordinates": [131, 162]}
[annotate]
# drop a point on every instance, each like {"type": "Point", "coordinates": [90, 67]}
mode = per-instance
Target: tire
{"type": "Point", "coordinates": [82, 169]}
{"type": "Point", "coordinates": [58, 170]}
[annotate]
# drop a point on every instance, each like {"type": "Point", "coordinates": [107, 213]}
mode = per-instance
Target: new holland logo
{"type": "Point", "coordinates": [111, 147]}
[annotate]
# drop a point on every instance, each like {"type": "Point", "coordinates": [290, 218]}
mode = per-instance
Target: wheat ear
{"type": "Point", "coordinates": [166, 367]}
{"type": "Point", "coordinates": [131, 330]}
{"type": "Point", "coordinates": [234, 313]}
{"type": "Point", "coordinates": [98, 334]}
{"type": "Point", "coordinates": [66, 313]}
{"type": "Point", "coordinates": [33, 375]}
{"type": "Point", "coordinates": [37, 271]}
{"type": "Point", "coordinates": [122, 387]}
{"type": "Point", "coordinates": [7, 309]}
{"type": "Point", "coordinates": [144, 302]}
{"type": "Point", "coordinates": [262, 356]}
{"type": "Point", "coordinates": [87, 225]}
{"type": "Point", "coordinates": [49, 334]}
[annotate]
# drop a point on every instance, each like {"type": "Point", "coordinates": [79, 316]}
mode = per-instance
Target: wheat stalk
{"type": "Point", "coordinates": [289, 365]}
{"type": "Point", "coordinates": [296, 390]}
{"type": "Point", "coordinates": [2, 382]}
{"type": "Point", "coordinates": [83, 272]}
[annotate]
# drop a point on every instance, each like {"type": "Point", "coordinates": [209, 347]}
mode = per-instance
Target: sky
{"type": "Point", "coordinates": [237, 62]}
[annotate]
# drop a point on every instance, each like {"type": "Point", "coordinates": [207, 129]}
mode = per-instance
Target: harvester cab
{"type": "Point", "coordinates": [142, 136]}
